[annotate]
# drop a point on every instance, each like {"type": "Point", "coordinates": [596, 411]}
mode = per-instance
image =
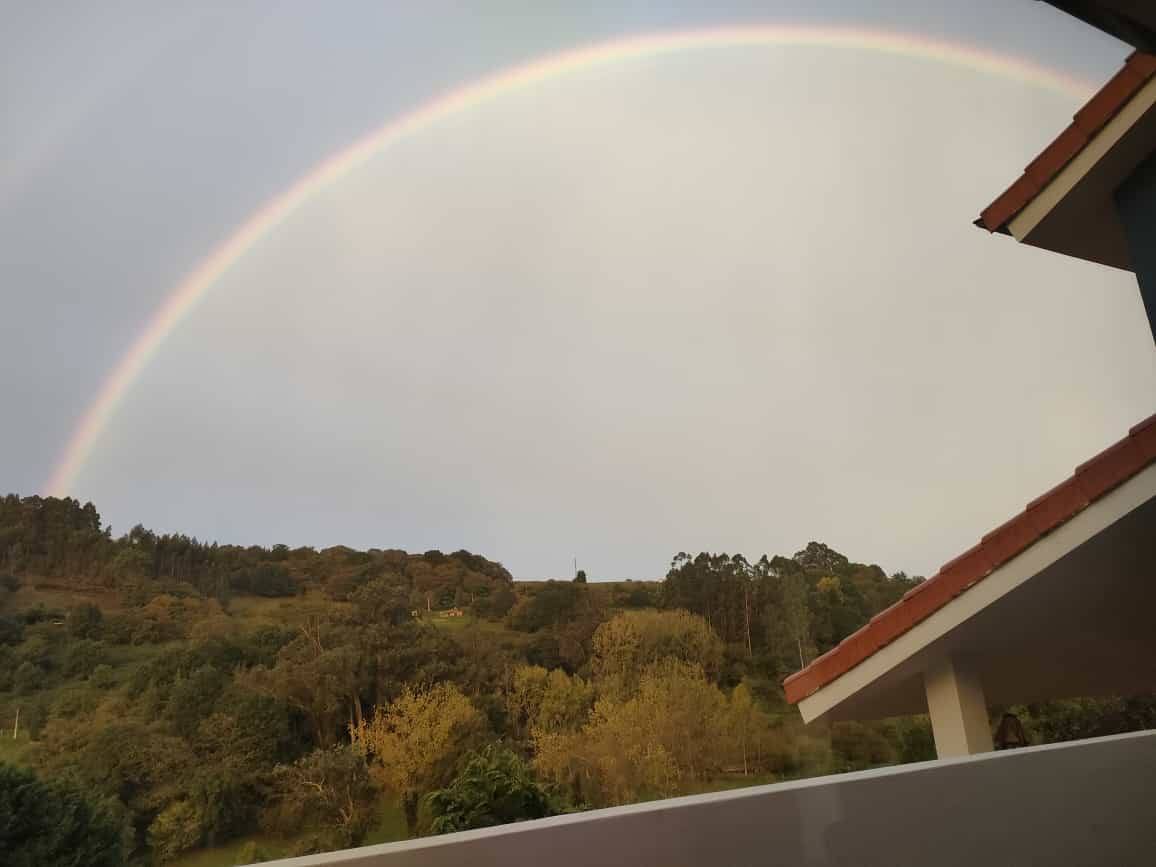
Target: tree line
{"type": "Point", "coordinates": [171, 695]}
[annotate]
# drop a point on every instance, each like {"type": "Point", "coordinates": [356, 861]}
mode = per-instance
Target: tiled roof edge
{"type": "Point", "coordinates": [1091, 481]}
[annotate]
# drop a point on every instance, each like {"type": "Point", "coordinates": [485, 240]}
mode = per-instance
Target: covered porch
{"type": "Point", "coordinates": [1055, 603]}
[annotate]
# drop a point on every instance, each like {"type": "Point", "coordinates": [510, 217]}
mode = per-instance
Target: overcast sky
{"type": "Point", "coordinates": [729, 299]}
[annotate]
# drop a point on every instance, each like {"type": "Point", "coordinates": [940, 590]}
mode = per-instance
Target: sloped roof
{"type": "Point", "coordinates": [1087, 122]}
{"type": "Point", "coordinates": [1091, 481]}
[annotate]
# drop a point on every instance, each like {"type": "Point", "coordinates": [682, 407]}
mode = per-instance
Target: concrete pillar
{"type": "Point", "coordinates": [958, 710]}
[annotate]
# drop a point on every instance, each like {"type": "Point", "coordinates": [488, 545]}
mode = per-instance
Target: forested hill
{"type": "Point", "coordinates": [782, 610]}
{"type": "Point", "coordinates": [165, 700]}
{"type": "Point", "coordinates": [60, 541]}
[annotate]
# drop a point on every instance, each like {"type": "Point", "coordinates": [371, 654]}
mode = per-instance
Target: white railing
{"type": "Point", "coordinates": [1083, 803]}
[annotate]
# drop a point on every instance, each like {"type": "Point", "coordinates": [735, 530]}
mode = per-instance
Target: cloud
{"type": "Point", "coordinates": [728, 300]}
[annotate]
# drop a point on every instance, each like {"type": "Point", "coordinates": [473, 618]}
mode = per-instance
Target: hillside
{"type": "Point", "coordinates": [215, 704]}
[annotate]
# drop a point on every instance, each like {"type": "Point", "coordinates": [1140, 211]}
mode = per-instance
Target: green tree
{"type": "Point", "coordinates": [102, 677]}
{"type": "Point", "coordinates": [82, 656]}
{"type": "Point", "coordinates": [494, 787]}
{"type": "Point", "coordinates": [316, 673]}
{"type": "Point", "coordinates": [84, 621]}
{"type": "Point", "coordinates": [52, 825]}
{"type": "Point", "coordinates": [327, 792]}
{"type": "Point", "coordinates": [11, 630]}
{"type": "Point", "coordinates": [27, 678]}
{"type": "Point", "coordinates": [191, 698]}
{"type": "Point", "coordinates": [498, 604]}
{"type": "Point", "coordinates": [551, 605]}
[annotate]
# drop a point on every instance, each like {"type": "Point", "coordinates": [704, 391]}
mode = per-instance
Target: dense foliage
{"type": "Point", "coordinates": [52, 823]}
{"type": "Point", "coordinates": [494, 787]}
{"type": "Point", "coordinates": [299, 700]}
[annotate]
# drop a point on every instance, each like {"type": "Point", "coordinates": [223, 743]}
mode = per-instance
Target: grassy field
{"type": "Point", "coordinates": [32, 594]}
{"type": "Point", "coordinates": [230, 854]}
{"type": "Point", "coordinates": [390, 827]}
{"type": "Point", "coordinates": [12, 749]}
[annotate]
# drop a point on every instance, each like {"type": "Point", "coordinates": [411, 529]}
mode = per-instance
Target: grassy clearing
{"type": "Point", "coordinates": [389, 828]}
{"type": "Point", "coordinates": [229, 854]}
{"type": "Point", "coordinates": [12, 750]}
{"type": "Point", "coordinates": [31, 595]}
{"type": "Point", "coordinates": [729, 782]}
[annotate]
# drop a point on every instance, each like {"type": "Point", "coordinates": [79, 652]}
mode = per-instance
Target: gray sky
{"type": "Point", "coordinates": [726, 300]}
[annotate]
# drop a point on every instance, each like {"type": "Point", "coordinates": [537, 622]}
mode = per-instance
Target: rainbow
{"type": "Point", "coordinates": [184, 297]}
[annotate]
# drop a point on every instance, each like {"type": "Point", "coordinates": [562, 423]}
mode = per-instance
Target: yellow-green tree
{"type": "Point", "coordinates": [674, 729]}
{"type": "Point", "coordinates": [547, 700]}
{"type": "Point", "coordinates": [756, 744]}
{"type": "Point", "coordinates": [414, 744]}
{"type": "Point", "coordinates": [565, 702]}
{"type": "Point", "coordinates": [631, 641]}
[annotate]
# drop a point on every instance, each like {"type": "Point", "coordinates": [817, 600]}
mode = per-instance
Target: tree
{"type": "Point", "coordinates": [414, 744]}
{"type": "Point", "coordinates": [84, 621]}
{"type": "Point", "coordinates": [793, 637]}
{"type": "Point", "coordinates": [541, 700]}
{"type": "Point", "coordinates": [82, 656]}
{"type": "Point", "coordinates": [632, 640]}
{"type": "Point", "coordinates": [177, 828]}
{"type": "Point", "coordinates": [551, 605]}
{"type": "Point", "coordinates": [743, 721]}
{"type": "Point", "coordinates": [382, 601]}
{"type": "Point", "coordinates": [28, 678]}
{"type": "Point", "coordinates": [717, 587]}
{"type": "Point", "coordinates": [11, 630]}
{"type": "Point", "coordinates": [102, 677]}
{"type": "Point", "coordinates": [494, 787]}
{"type": "Point", "coordinates": [50, 824]}
{"type": "Point", "coordinates": [821, 558]}
{"type": "Point", "coordinates": [317, 674]}
{"type": "Point", "coordinates": [125, 760]}
{"type": "Point", "coordinates": [498, 604]}
{"type": "Point", "coordinates": [327, 792]}
{"type": "Point", "coordinates": [674, 728]}
{"type": "Point", "coordinates": [1074, 719]}
{"type": "Point", "coordinates": [191, 698]}
{"type": "Point", "coordinates": [580, 576]}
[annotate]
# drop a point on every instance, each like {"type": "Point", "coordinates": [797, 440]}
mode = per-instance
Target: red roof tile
{"type": "Point", "coordinates": [1091, 480]}
{"type": "Point", "coordinates": [1104, 105]}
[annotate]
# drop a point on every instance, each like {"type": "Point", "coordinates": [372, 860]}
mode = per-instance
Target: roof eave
{"type": "Point", "coordinates": [1086, 124]}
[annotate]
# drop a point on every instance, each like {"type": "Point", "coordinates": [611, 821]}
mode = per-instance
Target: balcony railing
{"type": "Point", "coordinates": [1080, 803]}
